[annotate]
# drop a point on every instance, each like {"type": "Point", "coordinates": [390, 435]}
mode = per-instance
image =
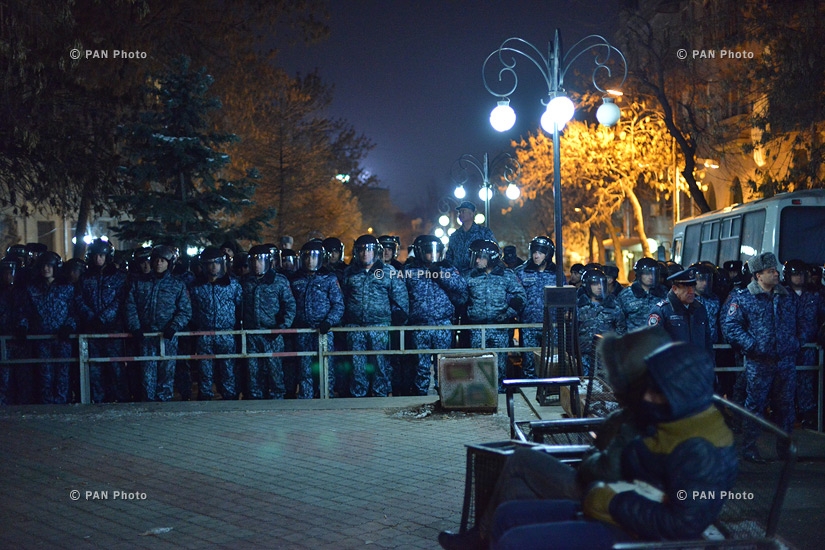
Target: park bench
{"type": "Point", "coordinates": [748, 520]}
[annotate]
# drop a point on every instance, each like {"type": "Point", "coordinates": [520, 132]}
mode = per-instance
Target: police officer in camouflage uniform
{"type": "Point", "coordinates": [216, 305]}
{"type": "Point", "coordinates": [435, 288]}
{"type": "Point", "coordinates": [683, 317]}
{"type": "Point", "coordinates": [320, 305]}
{"type": "Point", "coordinates": [705, 274]}
{"type": "Point", "coordinates": [158, 302]}
{"type": "Point", "coordinates": [102, 293]}
{"type": "Point", "coordinates": [598, 313]}
{"type": "Point", "coordinates": [374, 295]}
{"type": "Point", "coordinates": [536, 273]}
{"type": "Point", "coordinates": [267, 304]}
{"type": "Point", "coordinates": [637, 300]}
{"type": "Point", "coordinates": [495, 296]}
{"type": "Point", "coordinates": [762, 322]}
{"type": "Point", "coordinates": [458, 249]}
{"type": "Point", "coordinates": [48, 307]}
{"type": "Point", "coordinates": [811, 311]}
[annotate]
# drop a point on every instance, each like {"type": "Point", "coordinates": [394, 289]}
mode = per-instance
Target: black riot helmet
{"type": "Point", "coordinates": [260, 252]}
{"type": "Point", "coordinates": [428, 244]}
{"type": "Point", "coordinates": [366, 243]}
{"type": "Point", "coordinates": [334, 244]}
{"type": "Point", "coordinates": [544, 245]}
{"type": "Point", "coordinates": [795, 267]}
{"type": "Point", "coordinates": [485, 248]}
{"type": "Point", "coordinates": [289, 260]}
{"type": "Point", "coordinates": [213, 262]}
{"type": "Point", "coordinates": [390, 242]}
{"type": "Point", "coordinates": [313, 255]}
{"type": "Point", "coordinates": [18, 251]}
{"type": "Point", "coordinates": [10, 265]}
{"type": "Point", "coordinates": [647, 265]}
{"type": "Point", "coordinates": [594, 277]}
{"type": "Point", "coordinates": [168, 253]}
{"type": "Point", "coordinates": [49, 258]}
{"type": "Point", "coordinates": [102, 247]}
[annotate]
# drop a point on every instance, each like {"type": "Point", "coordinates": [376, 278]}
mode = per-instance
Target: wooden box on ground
{"type": "Point", "coordinates": [468, 382]}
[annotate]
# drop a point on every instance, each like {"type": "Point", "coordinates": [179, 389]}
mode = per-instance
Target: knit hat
{"type": "Point", "coordinates": [766, 260]}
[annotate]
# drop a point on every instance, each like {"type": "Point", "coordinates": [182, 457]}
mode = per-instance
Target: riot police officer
{"type": "Point", "coordinates": [637, 299]}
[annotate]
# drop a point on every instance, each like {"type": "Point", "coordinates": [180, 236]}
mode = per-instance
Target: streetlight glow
{"type": "Point", "coordinates": [513, 192]}
{"type": "Point", "coordinates": [608, 113]}
{"type": "Point", "coordinates": [460, 192]}
{"type": "Point", "coordinates": [503, 166]}
{"type": "Point", "coordinates": [444, 220]}
{"type": "Point", "coordinates": [503, 117]}
{"type": "Point", "coordinates": [439, 232]}
{"type": "Point", "coordinates": [485, 194]}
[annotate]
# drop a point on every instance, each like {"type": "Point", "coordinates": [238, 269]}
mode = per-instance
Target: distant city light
{"type": "Point", "coordinates": [444, 220]}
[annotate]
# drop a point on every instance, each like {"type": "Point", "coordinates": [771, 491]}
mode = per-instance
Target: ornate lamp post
{"type": "Point", "coordinates": [560, 109]}
{"type": "Point", "coordinates": [503, 164]}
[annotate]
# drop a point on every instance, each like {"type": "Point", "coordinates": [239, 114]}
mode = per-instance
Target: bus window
{"type": "Point", "coordinates": [710, 242]}
{"type": "Point", "coordinates": [690, 250]}
{"type": "Point", "coordinates": [729, 239]}
{"type": "Point", "coordinates": [677, 249]}
{"type": "Point", "coordinates": [800, 236]}
{"type": "Point", "coordinates": [753, 230]}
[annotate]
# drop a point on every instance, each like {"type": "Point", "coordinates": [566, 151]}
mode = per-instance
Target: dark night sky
{"type": "Point", "coordinates": [407, 74]}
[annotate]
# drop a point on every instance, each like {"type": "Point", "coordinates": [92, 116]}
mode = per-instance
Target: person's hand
{"type": "Point", "coordinates": [324, 327]}
{"type": "Point", "coordinates": [596, 503]}
{"type": "Point", "coordinates": [516, 303]}
{"type": "Point", "coordinates": [64, 332]}
{"type": "Point", "coordinates": [169, 333]}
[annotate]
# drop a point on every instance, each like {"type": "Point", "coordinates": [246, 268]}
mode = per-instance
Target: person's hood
{"type": "Point", "coordinates": [684, 374]}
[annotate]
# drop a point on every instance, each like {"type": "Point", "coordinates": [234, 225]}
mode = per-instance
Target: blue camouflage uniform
{"type": "Point", "coordinates": [154, 304]}
{"type": "Point", "coordinates": [372, 297]}
{"type": "Point", "coordinates": [595, 318]}
{"type": "Point", "coordinates": [811, 311]}
{"type": "Point", "coordinates": [533, 282]}
{"type": "Point", "coordinates": [488, 302]}
{"type": "Point", "coordinates": [50, 309]}
{"type": "Point", "coordinates": [318, 299]}
{"type": "Point", "coordinates": [763, 326]}
{"type": "Point", "coordinates": [683, 323]}
{"type": "Point", "coordinates": [434, 292]}
{"type": "Point", "coordinates": [712, 307]}
{"type": "Point", "coordinates": [216, 306]}
{"type": "Point", "coordinates": [636, 303]}
{"type": "Point", "coordinates": [100, 300]}
{"type": "Point", "coordinates": [268, 303]}
{"type": "Point", "coordinates": [458, 249]}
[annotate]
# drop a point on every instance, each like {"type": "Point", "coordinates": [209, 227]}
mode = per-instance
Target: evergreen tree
{"type": "Point", "coordinates": [175, 166]}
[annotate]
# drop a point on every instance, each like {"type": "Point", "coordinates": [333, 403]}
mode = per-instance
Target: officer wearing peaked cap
{"type": "Point", "coordinates": [458, 250]}
{"type": "Point", "coordinates": [684, 318]}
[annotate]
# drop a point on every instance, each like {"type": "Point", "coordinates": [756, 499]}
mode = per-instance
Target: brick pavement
{"type": "Point", "coordinates": [341, 473]}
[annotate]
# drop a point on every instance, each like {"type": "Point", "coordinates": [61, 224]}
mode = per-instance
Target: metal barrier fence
{"type": "Point", "coordinates": [84, 360]}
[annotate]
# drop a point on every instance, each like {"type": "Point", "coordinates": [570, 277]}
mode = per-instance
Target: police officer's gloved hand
{"type": "Point", "coordinates": [516, 303]}
{"type": "Point", "coordinates": [169, 333]}
{"type": "Point", "coordinates": [323, 327]}
{"type": "Point", "coordinates": [20, 333]}
{"type": "Point", "coordinates": [398, 318]}
{"type": "Point", "coordinates": [64, 332]}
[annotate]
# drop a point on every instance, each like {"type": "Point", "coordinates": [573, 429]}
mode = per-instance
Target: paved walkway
{"type": "Point", "coordinates": [343, 473]}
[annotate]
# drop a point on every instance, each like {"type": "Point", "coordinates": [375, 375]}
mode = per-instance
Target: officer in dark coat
{"type": "Point", "coordinates": [762, 322]}
{"type": "Point", "coordinates": [319, 305]}
{"type": "Point", "coordinates": [158, 302]}
{"type": "Point", "coordinates": [458, 249]}
{"type": "Point", "coordinates": [684, 318]}
{"type": "Point", "coordinates": [102, 293]}
{"type": "Point", "coordinates": [216, 305]}
{"type": "Point", "coordinates": [637, 299]}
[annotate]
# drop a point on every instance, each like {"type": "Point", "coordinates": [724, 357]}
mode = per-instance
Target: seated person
{"type": "Point", "coordinates": [529, 475]}
{"type": "Point", "coordinates": [690, 449]}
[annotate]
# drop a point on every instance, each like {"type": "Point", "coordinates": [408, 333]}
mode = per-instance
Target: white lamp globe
{"type": "Point", "coordinates": [512, 192]}
{"type": "Point", "coordinates": [479, 218]}
{"type": "Point", "coordinates": [439, 232]}
{"type": "Point", "coordinates": [548, 124]}
{"type": "Point", "coordinates": [503, 117]}
{"type": "Point", "coordinates": [445, 240]}
{"type": "Point", "coordinates": [485, 194]}
{"type": "Point", "coordinates": [460, 192]}
{"type": "Point", "coordinates": [561, 109]}
{"type": "Point", "coordinates": [608, 113]}
{"type": "Point", "coordinates": [444, 220]}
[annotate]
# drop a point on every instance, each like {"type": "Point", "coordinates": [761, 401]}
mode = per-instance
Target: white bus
{"type": "Point", "coordinates": [791, 225]}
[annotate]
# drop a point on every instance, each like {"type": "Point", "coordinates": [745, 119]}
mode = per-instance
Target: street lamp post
{"type": "Point", "coordinates": [560, 109]}
{"type": "Point", "coordinates": [503, 163]}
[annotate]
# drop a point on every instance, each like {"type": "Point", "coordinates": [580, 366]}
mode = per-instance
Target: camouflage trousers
{"type": "Point", "coordinates": [494, 338]}
{"type": "Point", "coordinates": [309, 366]}
{"type": "Point", "coordinates": [369, 370]}
{"type": "Point", "coordinates": [429, 339]}
{"type": "Point", "coordinates": [108, 381]}
{"type": "Point", "coordinates": [158, 377]}
{"type": "Point", "coordinates": [266, 374]}
{"type": "Point", "coordinates": [775, 380]}
{"type": "Point", "coordinates": [221, 372]}
{"type": "Point", "coordinates": [806, 382]}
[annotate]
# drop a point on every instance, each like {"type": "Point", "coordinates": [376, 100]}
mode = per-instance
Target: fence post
{"type": "Point", "coordinates": [83, 347]}
{"type": "Point", "coordinates": [323, 366]}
